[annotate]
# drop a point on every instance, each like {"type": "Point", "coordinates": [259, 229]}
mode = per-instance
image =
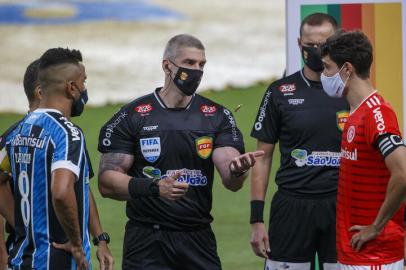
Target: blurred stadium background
{"type": "Point", "coordinates": [122, 43]}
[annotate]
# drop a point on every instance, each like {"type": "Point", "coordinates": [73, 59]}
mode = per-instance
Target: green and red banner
{"type": "Point", "coordinates": [381, 21]}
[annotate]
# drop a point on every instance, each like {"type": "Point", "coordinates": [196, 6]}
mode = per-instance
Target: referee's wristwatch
{"type": "Point", "coordinates": [102, 237]}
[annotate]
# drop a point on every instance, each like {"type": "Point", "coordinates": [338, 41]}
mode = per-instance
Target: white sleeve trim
{"type": "Point", "coordinates": [65, 164]}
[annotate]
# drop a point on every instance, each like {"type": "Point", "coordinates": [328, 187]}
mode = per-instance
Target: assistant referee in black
{"type": "Point", "coordinates": [296, 113]}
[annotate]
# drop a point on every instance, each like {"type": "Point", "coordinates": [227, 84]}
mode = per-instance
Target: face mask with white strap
{"type": "Point", "coordinates": [333, 85]}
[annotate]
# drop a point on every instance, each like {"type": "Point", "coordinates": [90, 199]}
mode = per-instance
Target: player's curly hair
{"type": "Point", "coordinates": [353, 47]}
{"type": "Point", "coordinates": [58, 56]}
{"type": "Point", "coordinates": [31, 80]}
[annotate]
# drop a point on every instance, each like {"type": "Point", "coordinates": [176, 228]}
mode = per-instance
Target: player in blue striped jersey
{"type": "Point", "coordinates": [33, 93]}
{"type": "Point", "coordinates": [50, 170]}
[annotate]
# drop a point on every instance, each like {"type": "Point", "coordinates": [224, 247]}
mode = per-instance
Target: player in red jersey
{"type": "Point", "coordinates": [372, 178]}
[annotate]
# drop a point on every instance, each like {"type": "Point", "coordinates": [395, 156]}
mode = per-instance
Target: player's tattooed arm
{"type": "Point", "coordinates": [116, 162]}
{"type": "Point", "coordinates": [113, 178]}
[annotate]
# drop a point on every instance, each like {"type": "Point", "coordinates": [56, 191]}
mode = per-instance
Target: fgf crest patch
{"type": "Point", "coordinates": [204, 146]}
{"type": "Point", "coordinates": [151, 148]}
{"type": "Point", "coordinates": [342, 117]}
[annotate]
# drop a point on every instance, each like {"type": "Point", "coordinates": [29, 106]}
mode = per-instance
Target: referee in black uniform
{"type": "Point", "coordinates": [308, 124]}
{"type": "Point", "coordinates": [159, 154]}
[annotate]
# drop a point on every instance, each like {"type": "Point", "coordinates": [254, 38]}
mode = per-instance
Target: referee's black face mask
{"type": "Point", "coordinates": [187, 80]}
{"type": "Point", "coordinates": [312, 58]}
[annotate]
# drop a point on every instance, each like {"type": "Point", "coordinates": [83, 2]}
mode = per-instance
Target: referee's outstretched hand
{"type": "Point", "coordinates": [242, 163]}
{"type": "Point", "coordinates": [171, 189]}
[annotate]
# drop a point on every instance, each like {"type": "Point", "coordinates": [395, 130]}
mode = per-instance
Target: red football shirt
{"type": "Point", "coordinates": [363, 180]}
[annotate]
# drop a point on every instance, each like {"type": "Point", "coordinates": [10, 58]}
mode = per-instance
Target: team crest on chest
{"type": "Point", "coordinates": [350, 134]}
{"type": "Point", "coordinates": [151, 148]}
{"type": "Point", "coordinates": [204, 146]}
{"type": "Point", "coordinates": [342, 118]}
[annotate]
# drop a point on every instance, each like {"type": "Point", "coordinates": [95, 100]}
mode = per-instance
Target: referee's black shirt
{"type": "Point", "coordinates": [307, 123]}
{"type": "Point", "coordinates": [169, 140]}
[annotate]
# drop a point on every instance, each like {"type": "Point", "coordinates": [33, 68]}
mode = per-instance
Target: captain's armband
{"type": "Point", "coordinates": [387, 143]}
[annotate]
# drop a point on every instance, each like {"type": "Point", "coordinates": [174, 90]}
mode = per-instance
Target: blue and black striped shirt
{"type": "Point", "coordinates": [43, 142]}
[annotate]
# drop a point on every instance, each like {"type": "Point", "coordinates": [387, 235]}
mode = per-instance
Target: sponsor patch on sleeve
{"type": "Point", "coordinates": [287, 88]}
{"type": "Point", "coordinates": [144, 109]}
{"type": "Point", "coordinates": [208, 110]}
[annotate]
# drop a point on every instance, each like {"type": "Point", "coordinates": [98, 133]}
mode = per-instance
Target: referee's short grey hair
{"type": "Point", "coordinates": [178, 42]}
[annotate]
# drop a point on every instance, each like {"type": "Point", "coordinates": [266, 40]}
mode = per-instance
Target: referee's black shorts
{"type": "Point", "coordinates": [151, 247]}
{"type": "Point", "coordinates": [300, 227]}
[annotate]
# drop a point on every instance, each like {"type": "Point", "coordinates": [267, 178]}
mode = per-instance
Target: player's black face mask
{"type": "Point", "coordinates": [79, 105]}
{"type": "Point", "coordinates": [187, 80]}
{"type": "Point", "coordinates": [312, 59]}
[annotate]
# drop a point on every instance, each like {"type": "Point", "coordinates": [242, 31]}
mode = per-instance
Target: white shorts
{"type": "Point", "coordinates": [275, 265]}
{"type": "Point", "coordinates": [392, 266]}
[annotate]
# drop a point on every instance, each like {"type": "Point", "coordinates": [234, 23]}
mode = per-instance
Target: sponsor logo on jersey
{"type": "Point", "coordinates": [191, 177]}
{"type": "Point", "coordinates": [262, 111]}
{"type": "Point", "coordinates": [230, 117]}
{"type": "Point", "coordinates": [208, 110]}
{"type": "Point", "coordinates": [143, 108]}
{"type": "Point", "coordinates": [287, 89]}
{"type": "Point", "coordinates": [74, 130]}
{"type": "Point", "coordinates": [342, 118]}
{"type": "Point", "coordinates": [380, 123]}
{"type": "Point", "coordinates": [150, 128]}
{"type": "Point", "coordinates": [151, 148]}
{"type": "Point", "coordinates": [295, 101]}
{"type": "Point", "coordinates": [110, 128]}
{"type": "Point", "coordinates": [204, 146]}
{"type": "Point", "coordinates": [151, 172]}
{"type": "Point", "coordinates": [327, 158]}
{"type": "Point", "coordinates": [28, 141]}
{"type": "Point", "coordinates": [351, 155]}
{"type": "Point", "coordinates": [350, 134]}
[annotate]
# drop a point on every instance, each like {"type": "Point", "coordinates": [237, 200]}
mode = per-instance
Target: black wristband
{"type": "Point", "coordinates": [139, 187]}
{"type": "Point", "coordinates": [257, 212]}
